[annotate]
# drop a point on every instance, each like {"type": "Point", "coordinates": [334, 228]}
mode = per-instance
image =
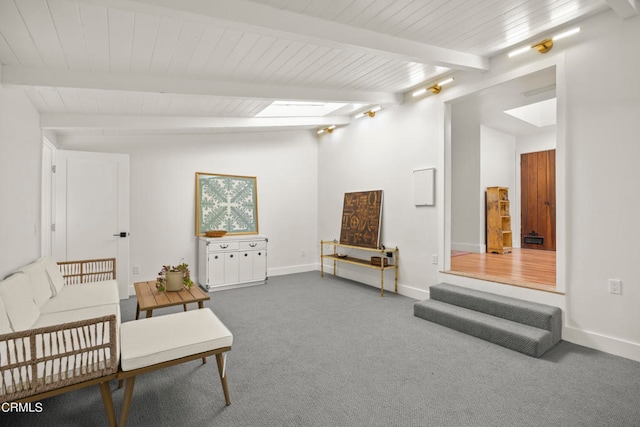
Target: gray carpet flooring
{"type": "Point", "coordinates": [330, 352]}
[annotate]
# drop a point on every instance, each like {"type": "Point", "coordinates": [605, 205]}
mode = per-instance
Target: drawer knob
{"type": "Point", "coordinates": [253, 245]}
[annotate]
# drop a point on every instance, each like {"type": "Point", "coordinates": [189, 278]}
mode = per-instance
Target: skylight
{"type": "Point", "coordinates": [299, 109]}
{"type": "Point", "coordinates": [539, 114]}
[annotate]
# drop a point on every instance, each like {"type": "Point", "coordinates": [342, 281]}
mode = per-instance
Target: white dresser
{"type": "Point", "coordinates": [231, 262]}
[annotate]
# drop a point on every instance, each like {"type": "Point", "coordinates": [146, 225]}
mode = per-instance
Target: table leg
{"type": "Point", "coordinates": [321, 259]}
{"type": "Point", "coordinates": [184, 306]}
{"type": "Point", "coordinates": [200, 304]}
{"type": "Point", "coordinates": [137, 311]}
{"type": "Point", "coordinates": [149, 313]}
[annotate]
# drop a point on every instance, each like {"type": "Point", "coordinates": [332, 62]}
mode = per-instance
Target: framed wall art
{"type": "Point", "coordinates": [362, 219]}
{"type": "Point", "coordinates": [226, 202]}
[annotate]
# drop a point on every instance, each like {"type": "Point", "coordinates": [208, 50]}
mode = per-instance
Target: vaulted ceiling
{"type": "Point", "coordinates": [154, 66]}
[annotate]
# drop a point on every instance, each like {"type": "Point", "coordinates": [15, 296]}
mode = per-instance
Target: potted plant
{"type": "Point", "coordinates": [174, 278]}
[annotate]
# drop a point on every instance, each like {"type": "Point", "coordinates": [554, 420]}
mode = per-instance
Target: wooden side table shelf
{"type": "Point", "coordinates": [381, 252]}
{"type": "Point", "coordinates": [149, 298]}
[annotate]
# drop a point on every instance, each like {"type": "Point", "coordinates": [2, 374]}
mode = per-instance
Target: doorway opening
{"type": "Point", "coordinates": [487, 144]}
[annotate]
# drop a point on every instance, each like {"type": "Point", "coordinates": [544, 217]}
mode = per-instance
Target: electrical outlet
{"type": "Point", "coordinates": [615, 286]}
{"type": "Point", "coordinates": [136, 269]}
{"type": "Point", "coordinates": [434, 259]}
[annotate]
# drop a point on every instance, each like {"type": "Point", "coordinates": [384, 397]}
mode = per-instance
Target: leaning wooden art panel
{"type": "Point", "coordinates": [226, 202]}
{"type": "Point", "coordinates": [361, 219]}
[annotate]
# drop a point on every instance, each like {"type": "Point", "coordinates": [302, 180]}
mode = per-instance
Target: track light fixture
{"type": "Point", "coordinates": [435, 89]}
{"type": "Point", "coordinates": [545, 45]}
{"type": "Point", "coordinates": [371, 113]}
{"type": "Point", "coordinates": [328, 129]}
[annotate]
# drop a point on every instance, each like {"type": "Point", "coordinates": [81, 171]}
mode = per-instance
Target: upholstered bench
{"type": "Point", "coordinates": [158, 342]}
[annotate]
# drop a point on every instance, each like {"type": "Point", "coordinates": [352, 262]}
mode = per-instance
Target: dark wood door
{"type": "Point", "coordinates": [538, 186]}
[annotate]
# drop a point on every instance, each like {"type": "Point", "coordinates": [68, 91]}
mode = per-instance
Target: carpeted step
{"type": "Point", "coordinates": [528, 313]}
{"type": "Point", "coordinates": [513, 335]}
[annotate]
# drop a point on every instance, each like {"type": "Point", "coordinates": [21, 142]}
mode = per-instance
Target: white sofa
{"type": "Point", "coordinates": [58, 332]}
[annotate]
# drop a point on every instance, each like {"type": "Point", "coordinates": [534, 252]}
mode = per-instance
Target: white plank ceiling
{"type": "Point", "coordinates": [103, 64]}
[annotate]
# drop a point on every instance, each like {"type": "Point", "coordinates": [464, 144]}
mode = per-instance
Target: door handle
{"type": "Point", "coordinates": [121, 234]}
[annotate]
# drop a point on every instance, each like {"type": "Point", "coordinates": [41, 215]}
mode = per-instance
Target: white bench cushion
{"type": "Point", "coordinates": [18, 302]}
{"type": "Point", "coordinates": [5, 325]}
{"type": "Point", "coordinates": [56, 279]}
{"type": "Point", "coordinates": [73, 297]}
{"type": "Point", "coordinates": [59, 317]}
{"type": "Point", "coordinates": [38, 281]}
{"type": "Point", "coordinates": [155, 340]}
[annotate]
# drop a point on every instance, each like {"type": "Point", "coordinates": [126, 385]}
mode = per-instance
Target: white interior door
{"type": "Point", "coordinates": [92, 209]}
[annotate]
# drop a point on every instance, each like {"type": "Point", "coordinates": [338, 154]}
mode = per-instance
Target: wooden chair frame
{"type": "Point", "coordinates": [130, 376]}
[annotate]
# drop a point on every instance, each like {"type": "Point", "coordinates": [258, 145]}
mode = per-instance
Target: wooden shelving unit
{"type": "Point", "coordinates": [499, 236]}
{"type": "Point", "coordinates": [381, 252]}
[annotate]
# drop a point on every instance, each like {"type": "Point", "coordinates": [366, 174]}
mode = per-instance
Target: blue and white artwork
{"type": "Point", "coordinates": [226, 202]}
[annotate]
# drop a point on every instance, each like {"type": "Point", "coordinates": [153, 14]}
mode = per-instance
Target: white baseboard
{"type": "Point", "coordinates": [603, 343]}
{"type": "Point", "coordinates": [302, 268]}
{"type": "Point", "coordinates": [412, 292]}
{"type": "Point", "coordinates": [469, 247]}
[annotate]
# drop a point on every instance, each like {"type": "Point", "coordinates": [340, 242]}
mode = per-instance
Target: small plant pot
{"type": "Point", "coordinates": [174, 280]}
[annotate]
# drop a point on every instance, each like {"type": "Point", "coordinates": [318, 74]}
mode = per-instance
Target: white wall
{"type": "Point", "coordinates": [603, 127]}
{"type": "Point", "coordinates": [20, 160]}
{"type": "Point", "coordinates": [497, 168]}
{"type": "Point", "coordinates": [467, 232]}
{"type": "Point", "coordinates": [162, 208]}
{"type": "Point", "coordinates": [381, 153]}
{"type": "Point", "coordinates": [497, 158]}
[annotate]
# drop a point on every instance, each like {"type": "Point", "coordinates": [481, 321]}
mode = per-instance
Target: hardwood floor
{"type": "Point", "coordinates": [527, 268]}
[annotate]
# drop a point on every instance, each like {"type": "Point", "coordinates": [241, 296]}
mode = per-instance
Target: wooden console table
{"type": "Point", "coordinates": [149, 298]}
{"type": "Point", "coordinates": [381, 252]}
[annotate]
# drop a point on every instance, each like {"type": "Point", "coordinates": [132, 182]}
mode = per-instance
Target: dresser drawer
{"type": "Point", "coordinates": [222, 246]}
{"type": "Point", "coordinates": [251, 245]}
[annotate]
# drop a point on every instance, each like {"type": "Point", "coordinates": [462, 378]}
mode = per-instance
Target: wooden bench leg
{"type": "Point", "coordinates": [126, 402]}
{"type": "Point", "coordinates": [105, 391]}
{"type": "Point", "coordinates": [222, 370]}
{"type": "Point", "coordinates": [137, 311]}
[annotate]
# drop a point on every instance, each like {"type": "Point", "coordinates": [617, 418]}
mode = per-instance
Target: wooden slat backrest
{"type": "Point", "coordinates": [88, 270]}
